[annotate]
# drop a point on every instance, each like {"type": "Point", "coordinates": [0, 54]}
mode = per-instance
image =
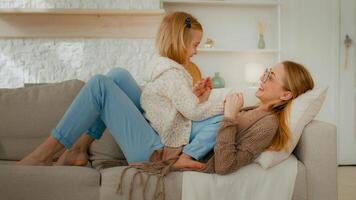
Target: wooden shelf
{"type": "Point", "coordinates": [219, 50]}
{"type": "Point", "coordinates": [55, 11]}
{"type": "Point", "coordinates": [224, 3]}
{"type": "Point", "coordinates": [79, 23]}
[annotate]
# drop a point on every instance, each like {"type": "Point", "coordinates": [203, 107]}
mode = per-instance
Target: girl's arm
{"type": "Point", "coordinates": [176, 87]}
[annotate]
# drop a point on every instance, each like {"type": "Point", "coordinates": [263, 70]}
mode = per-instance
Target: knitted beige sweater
{"type": "Point", "coordinates": [169, 102]}
{"type": "Point", "coordinates": [239, 141]}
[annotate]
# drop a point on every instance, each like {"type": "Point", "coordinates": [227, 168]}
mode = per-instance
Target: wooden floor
{"type": "Point", "coordinates": [347, 182]}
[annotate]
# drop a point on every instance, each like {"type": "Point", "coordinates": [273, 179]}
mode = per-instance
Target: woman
{"type": "Point", "coordinates": [246, 132]}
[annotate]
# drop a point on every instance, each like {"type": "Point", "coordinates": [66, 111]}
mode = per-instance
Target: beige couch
{"type": "Point", "coordinates": [27, 116]}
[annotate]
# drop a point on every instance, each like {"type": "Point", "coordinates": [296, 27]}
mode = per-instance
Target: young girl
{"type": "Point", "coordinates": [169, 101]}
{"type": "Point", "coordinates": [173, 109]}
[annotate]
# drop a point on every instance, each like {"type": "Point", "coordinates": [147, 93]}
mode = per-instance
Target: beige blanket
{"type": "Point", "coordinates": [251, 182]}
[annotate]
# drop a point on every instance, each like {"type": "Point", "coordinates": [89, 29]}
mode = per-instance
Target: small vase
{"type": "Point", "coordinates": [261, 42]}
{"type": "Point", "coordinates": [217, 81]}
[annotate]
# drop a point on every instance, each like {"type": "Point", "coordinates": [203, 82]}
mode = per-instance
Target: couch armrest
{"type": "Point", "coordinates": [317, 150]}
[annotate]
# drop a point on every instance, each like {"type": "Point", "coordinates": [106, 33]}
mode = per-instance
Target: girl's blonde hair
{"type": "Point", "coordinates": [298, 80]}
{"type": "Point", "coordinates": [174, 34]}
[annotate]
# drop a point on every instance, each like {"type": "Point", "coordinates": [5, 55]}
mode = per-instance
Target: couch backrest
{"type": "Point", "coordinates": [27, 115]}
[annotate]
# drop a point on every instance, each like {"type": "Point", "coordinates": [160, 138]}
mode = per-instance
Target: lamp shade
{"type": "Point", "coordinates": [253, 72]}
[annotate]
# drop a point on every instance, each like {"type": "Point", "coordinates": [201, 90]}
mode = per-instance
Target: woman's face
{"type": "Point", "coordinates": [271, 89]}
{"type": "Point", "coordinates": [196, 36]}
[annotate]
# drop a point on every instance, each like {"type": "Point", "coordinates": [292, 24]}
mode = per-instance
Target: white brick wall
{"type": "Point", "coordinates": [52, 60]}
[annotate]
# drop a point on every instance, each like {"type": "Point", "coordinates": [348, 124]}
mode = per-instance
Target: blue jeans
{"type": "Point", "coordinates": [203, 137]}
{"type": "Point", "coordinates": [113, 102]}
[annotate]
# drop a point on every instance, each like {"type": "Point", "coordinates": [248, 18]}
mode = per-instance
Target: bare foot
{"type": "Point", "coordinates": [43, 154]}
{"type": "Point", "coordinates": [136, 164]}
{"type": "Point", "coordinates": [34, 160]}
{"type": "Point", "coordinates": [187, 162]}
{"type": "Point", "coordinates": [73, 157]}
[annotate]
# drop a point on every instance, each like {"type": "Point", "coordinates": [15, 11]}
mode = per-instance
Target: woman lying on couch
{"type": "Point", "coordinates": [247, 132]}
{"type": "Point", "coordinates": [170, 105]}
{"type": "Point", "coordinates": [244, 132]}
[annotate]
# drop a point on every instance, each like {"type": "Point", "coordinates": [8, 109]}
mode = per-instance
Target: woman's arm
{"type": "Point", "coordinates": [177, 89]}
{"type": "Point", "coordinates": [230, 155]}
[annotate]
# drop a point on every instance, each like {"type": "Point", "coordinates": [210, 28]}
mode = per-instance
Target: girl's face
{"type": "Point", "coordinates": [272, 89]}
{"type": "Point", "coordinates": [192, 46]}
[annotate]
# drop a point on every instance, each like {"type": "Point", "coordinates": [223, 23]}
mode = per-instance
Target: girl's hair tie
{"type": "Point", "coordinates": [188, 22]}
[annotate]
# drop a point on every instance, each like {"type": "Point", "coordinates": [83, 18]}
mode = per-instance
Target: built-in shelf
{"type": "Point", "coordinates": [219, 50]}
{"type": "Point", "coordinates": [55, 11]}
{"type": "Point", "coordinates": [223, 3]}
{"type": "Point", "coordinates": [79, 23]}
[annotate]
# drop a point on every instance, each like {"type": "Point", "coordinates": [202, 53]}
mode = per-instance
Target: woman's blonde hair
{"type": "Point", "coordinates": [173, 35]}
{"type": "Point", "coordinates": [298, 80]}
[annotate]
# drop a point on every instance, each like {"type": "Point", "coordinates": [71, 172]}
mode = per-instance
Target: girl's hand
{"type": "Point", "coordinates": [233, 104]}
{"type": "Point", "coordinates": [202, 86]}
{"type": "Point", "coordinates": [204, 97]}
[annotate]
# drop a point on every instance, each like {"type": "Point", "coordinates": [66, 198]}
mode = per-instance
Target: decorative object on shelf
{"type": "Point", "coordinates": [253, 72]}
{"type": "Point", "coordinates": [218, 81]}
{"type": "Point", "coordinates": [261, 27]}
{"type": "Point", "coordinates": [209, 43]}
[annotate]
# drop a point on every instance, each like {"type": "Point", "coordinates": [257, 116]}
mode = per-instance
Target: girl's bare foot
{"type": "Point", "coordinates": [186, 162]}
{"type": "Point", "coordinates": [136, 164]}
{"type": "Point", "coordinates": [73, 157]}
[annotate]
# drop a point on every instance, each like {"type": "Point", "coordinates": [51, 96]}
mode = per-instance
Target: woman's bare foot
{"type": "Point", "coordinates": [35, 160]}
{"type": "Point", "coordinates": [73, 157]}
{"type": "Point", "coordinates": [78, 154]}
{"type": "Point", "coordinates": [43, 154]}
{"type": "Point", "coordinates": [186, 162]}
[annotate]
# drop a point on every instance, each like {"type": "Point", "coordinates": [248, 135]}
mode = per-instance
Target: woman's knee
{"type": "Point", "coordinates": [97, 81]}
{"type": "Point", "coordinates": [118, 74]}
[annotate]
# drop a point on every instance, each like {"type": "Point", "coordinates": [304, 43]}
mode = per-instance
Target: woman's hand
{"type": "Point", "coordinates": [233, 104]}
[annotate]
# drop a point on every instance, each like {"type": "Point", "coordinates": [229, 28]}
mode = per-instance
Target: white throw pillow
{"type": "Point", "coordinates": [303, 109]}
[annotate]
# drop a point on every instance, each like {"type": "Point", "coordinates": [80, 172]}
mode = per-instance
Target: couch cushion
{"type": "Point", "coordinates": [48, 182]}
{"type": "Point", "coordinates": [110, 179]}
{"type": "Point", "coordinates": [28, 115]}
{"type": "Point", "coordinates": [105, 149]}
